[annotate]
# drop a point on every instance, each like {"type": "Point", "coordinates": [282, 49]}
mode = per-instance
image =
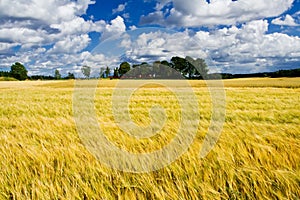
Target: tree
{"type": "Point", "coordinates": [57, 75]}
{"type": "Point", "coordinates": [86, 71]}
{"type": "Point", "coordinates": [124, 68]}
{"type": "Point", "coordinates": [166, 63]}
{"type": "Point", "coordinates": [167, 71]}
{"type": "Point", "coordinates": [4, 74]}
{"type": "Point", "coordinates": [146, 70]}
{"type": "Point", "coordinates": [189, 67]}
{"type": "Point", "coordinates": [102, 71]}
{"type": "Point", "coordinates": [136, 65]}
{"type": "Point", "coordinates": [107, 72]}
{"type": "Point", "coordinates": [181, 65]}
{"type": "Point", "coordinates": [70, 76]}
{"type": "Point", "coordinates": [162, 69]}
{"type": "Point", "coordinates": [200, 65]}
{"type": "Point", "coordinates": [116, 72]}
{"type": "Point", "coordinates": [18, 71]}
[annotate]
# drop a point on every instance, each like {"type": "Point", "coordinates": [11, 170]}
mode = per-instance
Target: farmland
{"type": "Point", "coordinates": [256, 157]}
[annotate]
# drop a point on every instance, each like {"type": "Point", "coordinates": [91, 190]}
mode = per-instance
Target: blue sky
{"type": "Point", "coordinates": [238, 36]}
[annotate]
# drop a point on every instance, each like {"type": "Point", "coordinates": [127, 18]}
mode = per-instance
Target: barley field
{"type": "Point", "coordinates": [256, 157]}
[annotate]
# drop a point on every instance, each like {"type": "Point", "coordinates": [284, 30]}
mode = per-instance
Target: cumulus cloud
{"type": "Point", "coordinates": [249, 48]}
{"type": "Point", "coordinates": [71, 44]}
{"type": "Point", "coordinates": [30, 26]}
{"type": "Point", "coordinates": [22, 35]}
{"type": "Point", "coordinates": [195, 13]}
{"type": "Point", "coordinates": [116, 27]}
{"type": "Point", "coordinates": [288, 20]}
{"type": "Point", "coordinates": [5, 46]}
{"type": "Point", "coordinates": [161, 45]}
{"type": "Point", "coordinates": [48, 11]}
{"type": "Point", "coordinates": [246, 49]}
{"type": "Point", "coordinates": [75, 32]}
{"type": "Point", "coordinates": [78, 26]}
{"type": "Point", "coordinates": [37, 23]}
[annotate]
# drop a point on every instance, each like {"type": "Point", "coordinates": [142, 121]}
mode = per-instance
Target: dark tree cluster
{"type": "Point", "coordinates": [5, 74]}
{"type": "Point", "coordinates": [157, 70]}
{"type": "Point", "coordinates": [55, 77]}
{"type": "Point", "coordinates": [175, 69]}
{"type": "Point", "coordinates": [190, 68]}
{"type": "Point", "coordinates": [276, 74]}
{"type": "Point", "coordinates": [285, 73]}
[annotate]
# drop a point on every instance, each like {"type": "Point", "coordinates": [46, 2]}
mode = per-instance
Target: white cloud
{"type": "Point", "coordinates": [37, 23]}
{"type": "Point", "coordinates": [120, 8]}
{"type": "Point", "coordinates": [71, 44]}
{"type": "Point", "coordinates": [249, 48]}
{"type": "Point", "coordinates": [159, 45]}
{"type": "Point", "coordinates": [132, 27]}
{"type": "Point", "coordinates": [97, 60]}
{"type": "Point", "coordinates": [246, 49]}
{"type": "Point", "coordinates": [23, 35]}
{"type": "Point", "coordinates": [78, 26]}
{"type": "Point", "coordinates": [288, 20]}
{"type": "Point", "coordinates": [49, 33]}
{"type": "Point", "coordinates": [5, 46]}
{"type": "Point", "coordinates": [67, 46]}
{"type": "Point", "coordinates": [195, 13]}
{"type": "Point", "coordinates": [116, 27]}
{"type": "Point", "coordinates": [48, 11]}
{"type": "Point", "coordinates": [161, 4]}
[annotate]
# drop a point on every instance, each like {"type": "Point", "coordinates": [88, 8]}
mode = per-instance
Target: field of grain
{"type": "Point", "coordinates": [256, 157]}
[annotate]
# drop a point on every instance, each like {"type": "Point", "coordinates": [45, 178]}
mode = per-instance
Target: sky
{"type": "Point", "coordinates": [233, 36]}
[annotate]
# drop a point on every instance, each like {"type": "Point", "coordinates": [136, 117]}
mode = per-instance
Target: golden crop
{"type": "Point", "coordinates": [256, 157]}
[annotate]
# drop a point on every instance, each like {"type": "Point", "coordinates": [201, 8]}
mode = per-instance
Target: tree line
{"type": "Point", "coordinates": [177, 67]}
{"type": "Point", "coordinates": [277, 74]}
{"type": "Point", "coordinates": [19, 72]}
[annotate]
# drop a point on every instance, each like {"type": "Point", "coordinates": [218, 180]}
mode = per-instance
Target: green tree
{"type": "Point", "coordinates": [189, 67]}
{"type": "Point", "coordinates": [116, 72]}
{"type": "Point", "coordinates": [124, 68]}
{"type": "Point", "coordinates": [166, 63]}
{"type": "Point", "coordinates": [136, 65]}
{"type": "Point", "coordinates": [146, 70]}
{"type": "Point", "coordinates": [86, 71]}
{"type": "Point", "coordinates": [181, 65]}
{"type": "Point", "coordinates": [57, 75]}
{"type": "Point", "coordinates": [102, 71]}
{"type": "Point", "coordinates": [199, 65]}
{"type": "Point", "coordinates": [4, 74]}
{"type": "Point", "coordinates": [166, 70]}
{"type": "Point", "coordinates": [70, 76]}
{"type": "Point", "coordinates": [107, 72]}
{"type": "Point", "coordinates": [18, 71]}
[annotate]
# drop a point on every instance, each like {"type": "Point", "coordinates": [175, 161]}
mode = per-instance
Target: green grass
{"type": "Point", "coordinates": [7, 79]}
{"type": "Point", "coordinates": [256, 157]}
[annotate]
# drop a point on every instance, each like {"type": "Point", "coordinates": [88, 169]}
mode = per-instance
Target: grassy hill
{"type": "Point", "coordinates": [7, 79]}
